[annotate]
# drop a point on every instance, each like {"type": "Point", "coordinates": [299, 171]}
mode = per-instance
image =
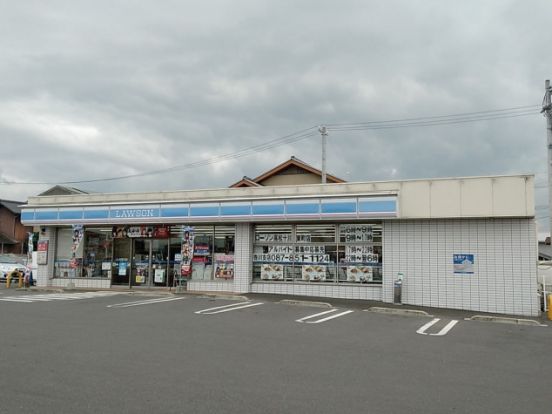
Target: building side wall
{"type": "Point", "coordinates": [504, 278]}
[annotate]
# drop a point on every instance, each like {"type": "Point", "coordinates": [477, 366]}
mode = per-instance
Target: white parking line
{"type": "Point", "coordinates": [337, 315]}
{"type": "Point", "coordinates": [142, 302]}
{"type": "Point", "coordinates": [315, 315]}
{"type": "Point", "coordinates": [56, 296]}
{"type": "Point", "coordinates": [442, 332]}
{"type": "Point", "coordinates": [447, 328]}
{"type": "Point", "coordinates": [227, 308]}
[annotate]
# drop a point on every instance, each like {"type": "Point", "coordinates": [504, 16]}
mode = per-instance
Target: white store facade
{"type": "Point", "coordinates": [461, 243]}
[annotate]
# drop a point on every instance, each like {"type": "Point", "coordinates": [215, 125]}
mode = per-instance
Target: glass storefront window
{"type": "Point", "coordinates": [65, 265]}
{"type": "Point", "coordinates": [98, 247]}
{"type": "Point", "coordinates": [346, 253]}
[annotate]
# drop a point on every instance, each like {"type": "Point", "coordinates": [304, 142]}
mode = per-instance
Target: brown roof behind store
{"type": "Point", "coordinates": [292, 171]}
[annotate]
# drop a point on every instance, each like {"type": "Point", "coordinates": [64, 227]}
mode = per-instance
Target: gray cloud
{"type": "Point", "coordinates": [99, 89]}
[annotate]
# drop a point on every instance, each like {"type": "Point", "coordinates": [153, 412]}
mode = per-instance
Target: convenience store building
{"type": "Point", "coordinates": [463, 243]}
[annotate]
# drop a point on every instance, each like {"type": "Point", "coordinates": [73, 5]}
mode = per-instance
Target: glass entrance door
{"type": "Point", "coordinates": [141, 263]}
{"type": "Point", "coordinates": [121, 262]}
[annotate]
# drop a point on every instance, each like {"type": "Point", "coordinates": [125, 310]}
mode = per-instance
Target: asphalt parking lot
{"type": "Point", "coordinates": [128, 353]}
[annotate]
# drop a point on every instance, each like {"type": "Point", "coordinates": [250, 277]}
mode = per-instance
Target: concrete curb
{"type": "Point", "coordinates": [503, 319]}
{"type": "Point", "coordinates": [211, 295]}
{"type": "Point", "coordinates": [404, 312]}
{"type": "Point", "coordinates": [312, 304]}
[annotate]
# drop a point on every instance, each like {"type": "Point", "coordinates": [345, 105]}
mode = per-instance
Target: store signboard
{"type": "Point", "coordinates": [463, 263]}
{"type": "Point", "coordinates": [42, 252]}
{"type": "Point", "coordinates": [272, 271]}
{"type": "Point", "coordinates": [313, 273]}
{"type": "Point", "coordinates": [321, 207]}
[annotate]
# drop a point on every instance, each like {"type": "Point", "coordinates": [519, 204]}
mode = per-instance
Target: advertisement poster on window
{"type": "Point", "coordinates": [224, 266]}
{"type": "Point", "coordinates": [313, 273]}
{"type": "Point", "coordinates": [42, 252]}
{"type": "Point", "coordinates": [159, 276]}
{"type": "Point", "coordinates": [187, 250]}
{"type": "Point", "coordinates": [123, 264]}
{"type": "Point", "coordinates": [272, 271]}
{"type": "Point", "coordinates": [463, 263]}
{"type": "Point", "coordinates": [360, 274]}
{"type": "Point", "coordinates": [201, 249]}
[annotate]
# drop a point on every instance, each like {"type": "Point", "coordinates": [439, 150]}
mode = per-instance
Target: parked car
{"type": "Point", "coordinates": [8, 264]}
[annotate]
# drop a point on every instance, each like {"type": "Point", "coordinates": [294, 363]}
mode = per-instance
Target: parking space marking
{"type": "Point", "coordinates": [315, 315]}
{"type": "Point", "coordinates": [442, 332]}
{"type": "Point", "coordinates": [56, 296]}
{"type": "Point", "coordinates": [227, 308]}
{"type": "Point", "coordinates": [337, 315]}
{"type": "Point", "coordinates": [142, 302]}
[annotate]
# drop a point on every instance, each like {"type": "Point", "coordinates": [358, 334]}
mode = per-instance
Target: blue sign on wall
{"type": "Point", "coordinates": [463, 263]}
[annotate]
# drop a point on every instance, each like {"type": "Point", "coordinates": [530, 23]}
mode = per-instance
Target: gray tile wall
{"type": "Point", "coordinates": [505, 275]}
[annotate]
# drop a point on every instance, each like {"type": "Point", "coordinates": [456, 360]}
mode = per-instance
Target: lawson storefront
{"type": "Point", "coordinates": [335, 240]}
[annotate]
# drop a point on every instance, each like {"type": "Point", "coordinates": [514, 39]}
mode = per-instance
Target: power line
{"type": "Point", "coordinates": [487, 112]}
{"type": "Point", "coordinates": [450, 121]}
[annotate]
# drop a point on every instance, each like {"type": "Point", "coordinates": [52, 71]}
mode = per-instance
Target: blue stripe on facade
{"type": "Point", "coordinates": [46, 215]}
{"type": "Point", "coordinates": [388, 206]}
{"type": "Point", "coordinates": [70, 215]}
{"type": "Point", "coordinates": [204, 211]}
{"type": "Point", "coordinates": [235, 210]}
{"type": "Point", "coordinates": [96, 214]}
{"type": "Point", "coordinates": [306, 208]}
{"type": "Point", "coordinates": [268, 209]}
{"type": "Point", "coordinates": [27, 215]}
{"type": "Point", "coordinates": [175, 212]}
{"type": "Point", "coordinates": [339, 208]}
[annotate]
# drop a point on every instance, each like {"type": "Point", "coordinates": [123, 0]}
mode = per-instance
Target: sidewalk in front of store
{"type": "Point", "coordinates": [322, 302]}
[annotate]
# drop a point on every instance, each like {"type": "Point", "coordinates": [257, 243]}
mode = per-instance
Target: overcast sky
{"type": "Point", "coordinates": [109, 88]}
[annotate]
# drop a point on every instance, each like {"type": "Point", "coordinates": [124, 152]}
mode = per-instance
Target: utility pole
{"type": "Point", "coordinates": [547, 110]}
{"type": "Point", "coordinates": [324, 132]}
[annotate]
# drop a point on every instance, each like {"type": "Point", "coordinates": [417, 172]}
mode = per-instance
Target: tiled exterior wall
{"type": "Point", "coordinates": [46, 272]}
{"type": "Point", "coordinates": [319, 290]}
{"type": "Point", "coordinates": [81, 283]}
{"type": "Point", "coordinates": [504, 278]}
{"type": "Point", "coordinates": [243, 264]}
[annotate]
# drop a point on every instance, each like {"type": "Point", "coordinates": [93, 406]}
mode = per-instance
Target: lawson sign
{"type": "Point", "coordinates": [308, 208]}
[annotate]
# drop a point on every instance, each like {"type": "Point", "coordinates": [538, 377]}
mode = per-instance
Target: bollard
{"type": "Point", "coordinates": [11, 275]}
{"type": "Point", "coordinates": [550, 307]}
